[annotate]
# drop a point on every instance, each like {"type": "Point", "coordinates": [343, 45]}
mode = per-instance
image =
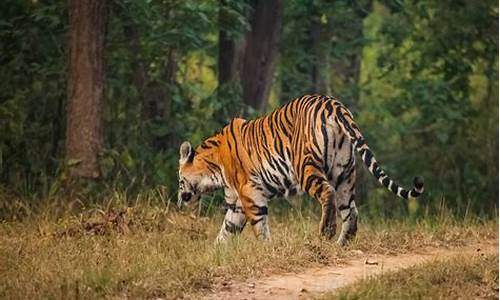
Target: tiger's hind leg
{"type": "Point", "coordinates": [328, 223]}
{"type": "Point", "coordinates": [349, 215]}
{"type": "Point", "coordinates": [344, 185]}
{"type": "Point", "coordinates": [317, 186]}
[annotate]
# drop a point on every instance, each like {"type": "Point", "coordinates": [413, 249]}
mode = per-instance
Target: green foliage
{"type": "Point", "coordinates": [32, 92]}
{"type": "Point", "coordinates": [431, 88]}
{"type": "Point", "coordinates": [421, 78]}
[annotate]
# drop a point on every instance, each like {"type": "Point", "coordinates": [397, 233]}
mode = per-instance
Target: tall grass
{"type": "Point", "coordinates": [144, 247]}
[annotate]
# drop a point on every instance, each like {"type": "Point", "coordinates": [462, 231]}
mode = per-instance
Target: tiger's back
{"type": "Point", "coordinates": [276, 149]}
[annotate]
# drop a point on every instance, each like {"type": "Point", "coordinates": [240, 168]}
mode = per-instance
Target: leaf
{"type": "Point", "coordinates": [126, 159]}
{"type": "Point", "coordinates": [324, 19]}
{"type": "Point", "coordinates": [442, 136]}
{"type": "Point", "coordinates": [73, 162]}
{"type": "Point", "coordinates": [160, 130]}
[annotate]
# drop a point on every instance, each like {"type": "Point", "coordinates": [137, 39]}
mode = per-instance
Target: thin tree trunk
{"type": "Point", "coordinates": [57, 135]}
{"type": "Point", "coordinates": [161, 103]}
{"type": "Point", "coordinates": [140, 76]}
{"type": "Point", "coordinates": [87, 31]}
{"type": "Point", "coordinates": [155, 96]}
{"type": "Point", "coordinates": [314, 43]}
{"type": "Point", "coordinates": [260, 51]}
{"type": "Point", "coordinates": [349, 70]}
{"type": "Point", "coordinates": [230, 52]}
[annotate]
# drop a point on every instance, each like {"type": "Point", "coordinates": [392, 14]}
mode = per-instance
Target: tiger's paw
{"type": "Point", "coordinates": [328, 232]}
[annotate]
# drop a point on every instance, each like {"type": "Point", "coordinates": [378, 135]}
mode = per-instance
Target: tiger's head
{"type": "Point", "coordinates": [198, 173]}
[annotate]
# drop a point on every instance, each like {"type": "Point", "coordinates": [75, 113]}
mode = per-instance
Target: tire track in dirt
{"type": "Point", "coordinates": [316, 281]}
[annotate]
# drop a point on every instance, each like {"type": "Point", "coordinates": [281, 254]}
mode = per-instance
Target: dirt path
{"type": "Point", "coordinates": [316, 281]}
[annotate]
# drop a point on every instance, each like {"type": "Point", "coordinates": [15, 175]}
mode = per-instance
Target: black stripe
{"type": "Point", "coordinates": [255, 221]}
{"type": "Point", "coordinates": [329, 108]}
{"type": "Point", "coordinates": [351, 199]}
{"type": "Point", "coordinates": [377, 172]}
{"type": "Point", "coordinates": [232, 228]}
{"type": "Point", "coordinates": [343, 206]}
{"type": "Point", "coordinates": [313, 133]}
{"type": "Point", "coordinates": [259, 210]}
{"type": "Point", "coordinates": [315, 155]}
{"type": "Point", "coordinates": [325, 142]}
{"type": "Point", "coordinates": [215, 143]}
{"type": "Point", "coordinates": [360, 143]}
{"type": "Point", "coordinates": [270, 124]}
{"type": "Point", "coordinates": [346, 124]}
{"type": "Point", "coordinates": [279, 167]}
{"type": "Point", "coordinates": [287, 183]}
{"type": "Point", "coordinates": [347, 216]}
{"type": "Point", "coordinates": [275, 179]}
{"type": "Point", "coordinates": [310, 181]}
{"type": "Point", "coordinates": [268, 186]}
{"type": "Point", "coordinates": [234, 208]}
{"type": "Point", "coordinates": [236, 152]}
{"type": "Point", "coordinates": [341, 142]}
{"type": "Point", "coordinates": [213, 165]}
{"type": "Point", "coordinates": [318, 192]}
{"type": "Point", "coordinates": [191, 156]}
{"type": "Point", "coordinates": [340, 179]}
{"type": "Point", "coordinates": [394, 188]}
{"type": "Point", "coordinates": [278, 146]}
{"type": "Point", "coordinates": [414, 193]}
{"type": "Point", "coordinates": [284, 165]}
{"type": "Point", "coordinates": [368, 157]}
{"type": "Point", "coordinates": [285, 115]}
{"type": "Point", "coordinates": [309, 162]}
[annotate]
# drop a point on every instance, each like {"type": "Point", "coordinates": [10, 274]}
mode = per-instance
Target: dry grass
{"type": "Point", "coordinates": [456, 278]}
{"type": "Point", "coordinates": [149, 251]}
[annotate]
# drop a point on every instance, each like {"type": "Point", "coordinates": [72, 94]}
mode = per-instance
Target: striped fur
{"type": "Point", "coordinates": [307, 145]}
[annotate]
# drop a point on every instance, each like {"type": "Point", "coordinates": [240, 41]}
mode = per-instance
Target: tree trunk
{"type": "Point", "coordinates": [314, 41]}
{"type": "Point", "coordinates": [155, 95]}
{"type": "Point", "coordinates": [230, 52]}
{"type": "Point", "coordinates": [260, 51]}
{"type": "Point", "coordinates": [347, 71]}
{"type": "Point", "coordinates": [230, 59]}
{"type": "Point", "coordinates": [87, 31]}
{"type": "Point", "coordinates": [319, 35]}
{"type": "Point", "coordinates": [140, 76]}
{"type": "Point", "coordinates": [160, 103]}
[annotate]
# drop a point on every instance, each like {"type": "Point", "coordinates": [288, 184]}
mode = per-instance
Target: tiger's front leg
{"type": "Point", "coordinates": [255, 206]}
{"type": "Point", "coordinates": [234, 220]}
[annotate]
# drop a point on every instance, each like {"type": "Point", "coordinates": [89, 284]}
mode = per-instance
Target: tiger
{"type": "Point", "coordinates": [306, 146]}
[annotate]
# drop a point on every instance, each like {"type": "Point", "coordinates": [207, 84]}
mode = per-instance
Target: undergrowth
{"type": "Point", "coordinates": [146, 248]}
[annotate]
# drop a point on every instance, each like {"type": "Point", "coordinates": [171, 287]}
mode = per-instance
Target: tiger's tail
{"type": "Point", "coordinates": [352, 131]}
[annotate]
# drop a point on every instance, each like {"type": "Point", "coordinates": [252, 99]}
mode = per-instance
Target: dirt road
{"type": "Point", "coordinates": [316, 281]}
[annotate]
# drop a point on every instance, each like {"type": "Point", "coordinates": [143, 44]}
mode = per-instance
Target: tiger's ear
{"type": "Point", "coordinates": [186, 152]}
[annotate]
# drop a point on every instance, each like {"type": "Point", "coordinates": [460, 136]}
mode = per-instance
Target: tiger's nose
{"type": "Point", "coordinates": [186, 196]}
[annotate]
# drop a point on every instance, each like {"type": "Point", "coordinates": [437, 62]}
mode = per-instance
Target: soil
{"type": "Point", "coordinates": [316, 281]}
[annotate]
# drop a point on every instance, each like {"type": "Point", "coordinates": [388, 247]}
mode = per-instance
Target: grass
{"type": "Point", "coordinates": [456, 278]}
{"type": "Point", "coordinates": [148, 251]}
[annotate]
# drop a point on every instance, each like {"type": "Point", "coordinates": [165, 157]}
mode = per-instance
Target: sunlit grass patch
{"type": "Point", "coordinates": [461, 277]}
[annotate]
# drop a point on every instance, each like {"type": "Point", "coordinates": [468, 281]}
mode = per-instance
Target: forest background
{"type": "Point", "coordinates": [96, 96]}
